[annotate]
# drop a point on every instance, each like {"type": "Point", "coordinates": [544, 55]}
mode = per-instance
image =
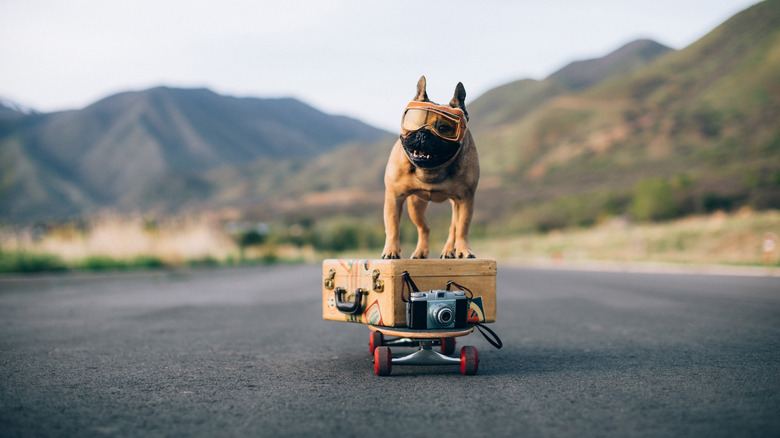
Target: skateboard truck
{"type": "Point", "coordinates": [425, 340]}
{"type": "Point", "coordinates": [426, 356]}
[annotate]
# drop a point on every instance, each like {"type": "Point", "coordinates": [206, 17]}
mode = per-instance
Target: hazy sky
{"type": "Point", "coordinates": [352, 57]}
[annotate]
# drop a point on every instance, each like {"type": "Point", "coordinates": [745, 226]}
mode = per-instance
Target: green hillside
{"type": "Point", "coordinates": [644, 132]}
{"type": "Point", "coordinates": [656, 134]}
{"type": "Point", "coordinates": [692, 131]}
{"type": "Point", "coordinates": [633, 56]}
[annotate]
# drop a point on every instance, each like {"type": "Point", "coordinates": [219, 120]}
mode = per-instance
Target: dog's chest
{"type": "Point", "coordinates": [433, 196]}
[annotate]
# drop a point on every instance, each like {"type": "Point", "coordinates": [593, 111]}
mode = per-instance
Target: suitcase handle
{"type": "Point", "coordinates": [346, 306]}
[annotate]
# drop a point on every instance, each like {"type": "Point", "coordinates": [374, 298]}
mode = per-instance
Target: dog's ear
{"type": "Point", "coordinates": [459, 99]}
{"type": "Point", "coordinates": [422, 95]}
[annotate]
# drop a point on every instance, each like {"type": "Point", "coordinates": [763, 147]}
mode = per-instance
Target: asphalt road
{"type": "Point", "coordinates": [244, 352]}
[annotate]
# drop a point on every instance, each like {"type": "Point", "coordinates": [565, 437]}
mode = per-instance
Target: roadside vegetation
{"type": "Point", "coordinates": [738, 238]}
{"type": "Point", "coordinates": [124, 243]}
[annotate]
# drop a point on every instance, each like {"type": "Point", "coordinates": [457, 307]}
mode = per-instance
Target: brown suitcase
{"type": "Point", "coordinates": [370, 291]}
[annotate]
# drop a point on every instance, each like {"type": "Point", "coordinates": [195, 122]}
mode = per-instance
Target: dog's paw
{"type": "Point", "coordinates": [391, 251]}
{"type": "Point", "coordinates": [458, 255]}
{"type": "Point", "coordinates": [463, 250]}
{"type": "Point", "coordinates": [417, 254]}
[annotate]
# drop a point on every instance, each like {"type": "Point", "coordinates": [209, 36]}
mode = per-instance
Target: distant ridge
{"type": "Point", "coordinates": [65, 162]}
{"type": "Point", "coordinates": [696, 128]}
{"type": "Point", "coordinates": [12, 110]}
{"type": "Point", "coordinates": [513, 101]}
{"type": "Point", "coordinates": [582, 74]}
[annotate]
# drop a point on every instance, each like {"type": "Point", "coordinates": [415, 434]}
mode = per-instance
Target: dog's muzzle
{"type": "Point", "coordinates": [427, 150]}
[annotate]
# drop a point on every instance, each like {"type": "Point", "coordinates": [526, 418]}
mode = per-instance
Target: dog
{"type": "Point", "coordinates": [434, 159]}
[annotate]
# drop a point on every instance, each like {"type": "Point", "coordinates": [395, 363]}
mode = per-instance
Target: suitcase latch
{"type": "Point", "coordinates": [379, 285]}
{"type": "Point", "coordinates": [330, 281]}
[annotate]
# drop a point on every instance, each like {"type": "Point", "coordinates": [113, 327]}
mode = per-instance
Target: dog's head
{"type": "Point", "coordinates": [431, 134]}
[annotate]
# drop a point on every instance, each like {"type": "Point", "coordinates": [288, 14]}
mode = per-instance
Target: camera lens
{"type": "Point", "coordinates": [443, 316]}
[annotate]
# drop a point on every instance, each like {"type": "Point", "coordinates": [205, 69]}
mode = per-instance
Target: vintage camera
{"type": "Point", "coordinates": [437, 309]}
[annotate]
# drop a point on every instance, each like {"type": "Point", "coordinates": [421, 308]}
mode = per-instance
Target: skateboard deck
{"type": "Point", "coordinates": [403, 332]}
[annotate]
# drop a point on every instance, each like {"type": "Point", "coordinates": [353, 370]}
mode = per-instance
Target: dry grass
{"type": "Point", "coordinates": [173, 241]}
{"type": "Point", "coordinates": [720, 238]}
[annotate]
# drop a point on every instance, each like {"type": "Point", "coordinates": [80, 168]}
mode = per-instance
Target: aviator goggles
{"type": "Point", "coordinates": [446, 122]}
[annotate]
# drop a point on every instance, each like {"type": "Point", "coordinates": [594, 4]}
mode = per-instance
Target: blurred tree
{"type": "Point", "coordinates": [653, 201]}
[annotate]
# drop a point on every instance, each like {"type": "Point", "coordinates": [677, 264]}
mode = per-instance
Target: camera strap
{"type": "Point", "coordinates": [460, 287]}
{"type": "Point", "coordinates": [407, 283]}
{"type": "Point", "coordinates": [496, 341]}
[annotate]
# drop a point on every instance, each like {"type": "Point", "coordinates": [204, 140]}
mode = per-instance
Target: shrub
{"type": "Point", "coordinates": [104, 263]}
{"type": "Point", "coordinates": [653, 201]}
{"type": "Point", "coordinates": [250, 238]}
{"type": "Point", "coordinates": [715, 201]}
{"type": "Point", "coordinates": [101, 263]}
{"type": "Point", "coordinates": [24, 262]}
{"type": "Point", "coordinates": [347, 234]}
{"type": "Point", "coordinates": [708, 122]}
{"type": "Point", "coordinates": [147, 262]}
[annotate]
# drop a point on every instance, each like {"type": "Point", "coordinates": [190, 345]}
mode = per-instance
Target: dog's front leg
{"type": "Point", "coordinates": [465, 209]}
{"type": "Point", "coordinates": [458, 245]}
{"type": "Point", "coordinates": [449, 248]}
{"type": "Point", "coordinates": [393, 207]}
{"type": "Point", "coordinates": [417, 207]}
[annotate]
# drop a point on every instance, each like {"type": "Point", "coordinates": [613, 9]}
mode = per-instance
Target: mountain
{"type": "Point", "coordinates": [511, 102]}
{"type": "Point", "coordinates": [12, 110]}
{"type": "Point", "coordinates": [582, 74]}
{"type": "Point", "coordinates": [645, 131]}
{"type": "Point", "coordinates": [700, 123]}
{"type": "Point", "coordinates": [135, 147]}
{"type": "Point", "coordinates": [495, 113]}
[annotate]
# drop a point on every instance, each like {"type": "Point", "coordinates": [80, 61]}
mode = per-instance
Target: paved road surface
{"type": "Point", "coordinates": [244, 352]}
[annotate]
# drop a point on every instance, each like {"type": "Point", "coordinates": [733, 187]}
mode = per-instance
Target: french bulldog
{"type": "Point", "coordinates": [434, 159]}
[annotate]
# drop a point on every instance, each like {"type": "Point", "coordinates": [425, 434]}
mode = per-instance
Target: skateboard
{"type": "Point", "coordinates": [425, 340]}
